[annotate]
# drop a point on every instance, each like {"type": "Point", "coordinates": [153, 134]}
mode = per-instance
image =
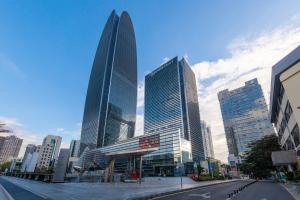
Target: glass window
{"type": "Point", "coordinates": [289, 144]}
{"type": "Point", "coordinates": [295, 134]}
{"type": "Point", "coordinates": [288, 111]}
{"type": "Point", "coordinates": [281, 92]}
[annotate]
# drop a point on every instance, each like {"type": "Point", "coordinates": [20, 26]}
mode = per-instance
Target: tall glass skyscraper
{"type": "Point", "coordinates": [207, 140]}
{"type": "Point", "coordinates": [110, 106]}
{"type": "Point", "coordinates": [171, 104]}
{"type": "Point", "coordinates": [245, 116]}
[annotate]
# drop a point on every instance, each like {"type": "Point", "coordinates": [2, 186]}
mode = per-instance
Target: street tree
{"type": "Point", "coordinates": [257, 161]}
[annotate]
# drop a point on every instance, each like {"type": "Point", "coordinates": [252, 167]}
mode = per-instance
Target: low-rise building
{"type": "Point", "coordinates": [285, 100]}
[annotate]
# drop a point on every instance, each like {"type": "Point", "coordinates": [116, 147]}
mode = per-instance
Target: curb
{"type": "Point", "coordinates": [151, 196]}
{"type": "Point", "coordinates": [291, 193]}
{"type": "Point", "coordinates": [6, 194]}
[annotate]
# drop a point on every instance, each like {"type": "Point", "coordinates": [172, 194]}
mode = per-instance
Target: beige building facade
{"type": "Point", "coordinates": [10, 148]}
{"type": "Point", "coordinates": [285, 100]}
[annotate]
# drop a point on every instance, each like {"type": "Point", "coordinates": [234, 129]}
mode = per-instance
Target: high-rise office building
{"type": "Point", "coordinates": [110, 106]}
{"type": "Point", "coordinates": [48, 151]}
{"type": "Point", "coordinates": [74, 148]}
{"type": "Point", "coordinates": [171, 104]}
{"type": "Point", "coordinates": [10, 148]}
{"type": "Point", "coordinates": [30, 149]}
{"type": "Point", "coordinates": [245, 116]}
{"type": "Point", "coordinates": [207, 140]}
{"type": "Point", "coordinates": [2, 139]}
{"type": "Point", "coordinates": [285, 98]}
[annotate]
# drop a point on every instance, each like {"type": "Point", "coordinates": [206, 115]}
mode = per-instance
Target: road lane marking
{"type": "Point", "coordinates": [205, 195]}
{"type": "Point", "coordinates": [5, 193]}
{"type": "Point", "coordinates": [26, 188]}
{"type": "Point", "coordinates": [196, 188]}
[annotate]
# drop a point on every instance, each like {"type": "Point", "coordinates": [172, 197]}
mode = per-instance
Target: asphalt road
{"type": "Point", "coordinates": [19, 193]}
{"type": "Point", "coordinates": [261, 190]}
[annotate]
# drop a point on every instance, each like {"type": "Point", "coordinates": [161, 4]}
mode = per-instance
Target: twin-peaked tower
{"type": "Point", "coordinates": [110, 106]}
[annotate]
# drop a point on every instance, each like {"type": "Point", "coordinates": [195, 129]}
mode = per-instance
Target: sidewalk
{"type": "Point", "coordinates": [294, 189]}
{"type": "Point", "coordinates": [108, 191]}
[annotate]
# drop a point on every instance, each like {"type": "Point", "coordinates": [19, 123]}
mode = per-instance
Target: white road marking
{"type": "Point", "coordinates": [205, 195]}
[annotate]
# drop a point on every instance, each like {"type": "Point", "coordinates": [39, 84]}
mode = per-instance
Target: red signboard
{"type": "Point", "coordinates": [150, 141]}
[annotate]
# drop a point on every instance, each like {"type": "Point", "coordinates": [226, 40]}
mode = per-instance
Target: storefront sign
{"type": "Point", "coordinates": [150, 141]}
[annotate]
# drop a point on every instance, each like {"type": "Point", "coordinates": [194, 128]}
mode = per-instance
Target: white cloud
{"type": "Point", "coordinates": [139, 125]}
{"type": "Point", "coordinates": [250, 58]}
{"type": "Point", "coordinates": [165, 59]}
{"type": "Point", "coordinates": [20, 131]}
{"type": "Point", "coordinates": [140, 97]}
{"type": "Point", "coordinates": [7, 64]}
{"type": "Point", "coordinates": [60, 129]}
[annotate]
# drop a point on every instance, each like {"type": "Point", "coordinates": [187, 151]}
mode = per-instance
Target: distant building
{"type": "Point", "coordinates": [110, 106]}
{"type": "Point", "coordinates": [74, 148]}
{"type": "Point", "coordinates": [48, 151]}
{"type": "Point", "coordinates": [30, 149]}
{"type": "Point", "coordinates": [74, 154]}
{"type": "Point", "coordinates": [207, 140]}
{"type": "Point", "coordinates": [61, 167]}
{"type": "Point", "coordinates": [15, 165]}
{"type": "Point", "coordinates": [245, 116]}
{"type": "Point", "coordinates": [10, 148]}
{"type": "Point", "coordinates": [2, 139]}
{"type": "Point", "coordinates": [285, 100]}
{"type": "Point", "coordinates": [171, 105]}
{"type": "Point", "coordinates": [30, 162]}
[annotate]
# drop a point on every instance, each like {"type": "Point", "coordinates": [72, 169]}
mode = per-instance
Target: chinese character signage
{"type": "Point", "coordinates": [150, 141]}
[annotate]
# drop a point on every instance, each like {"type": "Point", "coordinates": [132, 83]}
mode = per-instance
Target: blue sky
{"type": "Point", "coordinates": [47, 49]}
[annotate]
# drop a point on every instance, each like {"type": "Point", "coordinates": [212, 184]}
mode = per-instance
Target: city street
{"type": "Point", "coordinates": [262, 190]}
{"type": "Point", "coordinates": [31, 190]}
{"type": "Point", "coordinates": [19, 193]}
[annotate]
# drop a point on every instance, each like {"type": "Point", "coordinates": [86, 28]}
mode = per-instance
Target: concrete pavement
{"type": "Point", "coordinates": [23, 189]}
{"type": "Point", "coordinates": [293, 188]}
{"type": "Point", "coordinates": [261, 190]}
{"type": "Point", "coordinates": [19, 193]}
{"type": "Point", "coordinates": [105, 191]}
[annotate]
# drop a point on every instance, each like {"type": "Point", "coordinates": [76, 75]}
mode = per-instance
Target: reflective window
{"type": "Point", "coordinates": [296, 135]}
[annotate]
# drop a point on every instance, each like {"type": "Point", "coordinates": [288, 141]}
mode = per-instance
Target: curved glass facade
{"type": "Point", "coordinates": [110, 107]}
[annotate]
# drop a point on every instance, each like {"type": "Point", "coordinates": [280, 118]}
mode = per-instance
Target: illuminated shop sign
{"type": "Point", "coordinates": [150, 141]}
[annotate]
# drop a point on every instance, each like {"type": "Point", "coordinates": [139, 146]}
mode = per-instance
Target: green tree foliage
{"type": "Point", "coordinates": [200, 169]}
{"type": "Point", "coordinates": [4, 166]}
{"type": "Point", "coordinates": [258, 159]}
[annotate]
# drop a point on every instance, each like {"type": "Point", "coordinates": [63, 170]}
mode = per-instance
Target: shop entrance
{"type": "Point", "coordinates": [164, 170]}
